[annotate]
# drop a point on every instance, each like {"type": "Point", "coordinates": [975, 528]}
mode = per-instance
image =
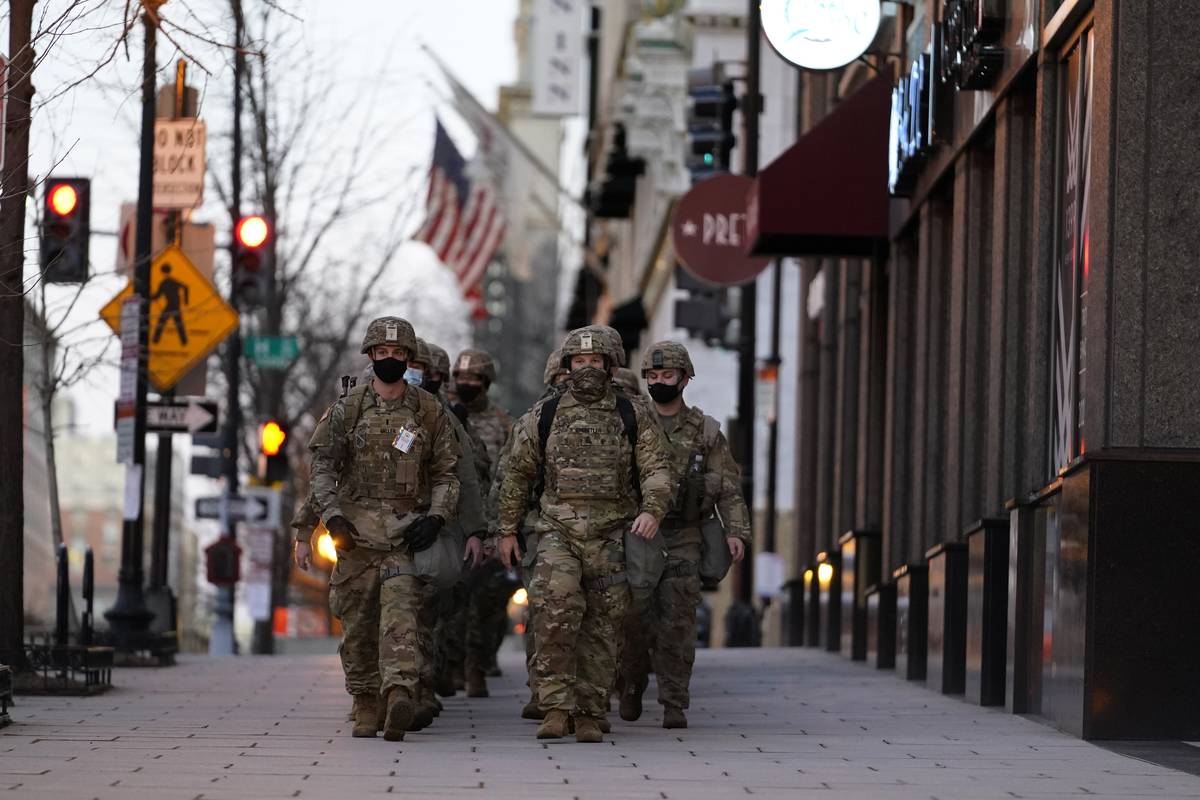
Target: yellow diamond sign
{"type": "Point", "coordinates": [188, 317]}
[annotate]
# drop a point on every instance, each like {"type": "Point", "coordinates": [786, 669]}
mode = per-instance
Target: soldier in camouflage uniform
{"type": "Point", "coordinates": [470, 527]}
{"type": "Point", "coordinates": [474, 372]}
{"type": "Point", "coordinates": [384, 480]}
{"type": "Point", "coordinates": [663, 617]}
{"type": "Point", "coordinates": [600, 453]}
{"type": "Point", "coordinates": [554, 378]}
{"type": "Point", "coordinates": [627, 381]}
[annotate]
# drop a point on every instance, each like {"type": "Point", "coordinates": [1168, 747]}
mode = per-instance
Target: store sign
{"type": "Point", "coordinates": [820, 34]}
{"type": "Point", "coordinates": [972, 53]}
{"type": "Point", "coordinates": [708, 231]}
{"type": "Point", "coordinates": [912, 126]}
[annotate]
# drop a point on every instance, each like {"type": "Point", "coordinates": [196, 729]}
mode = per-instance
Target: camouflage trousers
{"type": "Point", "coordinates": [579, 598]}
{"type": "Point", "coordinates": [486, 615]}
{"type": "Point", "coordinates": [387, 623]}
{"type": "Point", "coordinates": [660, 627]}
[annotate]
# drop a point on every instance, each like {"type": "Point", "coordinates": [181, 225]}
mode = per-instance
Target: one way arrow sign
{"type": "Point", "coordinates": [259, 506]}
{"type": "Point", "coordinates": [192, 416]}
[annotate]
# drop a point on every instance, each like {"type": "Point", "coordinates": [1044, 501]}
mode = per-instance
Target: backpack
{"type": "Point", "coordinates": [628, 422]}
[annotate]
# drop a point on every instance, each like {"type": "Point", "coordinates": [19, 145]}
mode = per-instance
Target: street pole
{"type": "Point", "coordinates": [741, 624]}
{"type": "Point", "coordinates": [129, 617]}
{"type": "Point", "coordinates": [159, 594]}
{"type": "Point", "coordinates": [773, 424]}
{"type": "Point", "coordinates": [221, 640]}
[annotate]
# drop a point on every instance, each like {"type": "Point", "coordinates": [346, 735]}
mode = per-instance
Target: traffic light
{"type": "Point", "coordinates": [66, 227]}
{"type": "Point", "coordinates": [250, 237]}
{"type": "Point", "coordinates": [611, 196]}
{"type": "Point", "coordinates": [710, 122]}
{"type": "Point", "coordinates": [704, 311]}
{"type": "Point", "coordinates": [272, 453]}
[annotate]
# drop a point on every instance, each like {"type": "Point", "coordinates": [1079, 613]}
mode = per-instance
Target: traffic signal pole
{"type": "Point", "coordinates": [221, 639]}
{"type": "Point", "coordinates": [159, 592]}
{"type": "Point", "coordinates": [129, 617]}
{"type": "Point", "coordinates": [741, 623]}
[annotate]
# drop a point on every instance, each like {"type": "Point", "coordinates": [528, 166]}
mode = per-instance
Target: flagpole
{"type": "Point", "coordinates": [478, 107]}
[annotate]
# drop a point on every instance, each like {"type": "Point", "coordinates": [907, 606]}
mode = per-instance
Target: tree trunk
{"type": "Point", "coordinates": [12, 330]}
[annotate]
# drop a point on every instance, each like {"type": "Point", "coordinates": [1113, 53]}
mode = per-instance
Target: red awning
{"type": "Point", "coordinates": [827, 195]}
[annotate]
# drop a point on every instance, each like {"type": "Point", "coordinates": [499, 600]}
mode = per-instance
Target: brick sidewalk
{"type": "Point", "coordinates": [766, 723]}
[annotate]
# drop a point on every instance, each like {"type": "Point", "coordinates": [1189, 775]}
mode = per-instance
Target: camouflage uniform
{"type": "Point", "coordinates": [490, 587]}
{"type": "Point", "coordinates": [627, 381]}
{"type": "Point", "coordinates": [360, 473]}
{"type": "Point", "coordinates": [663, 619]}
{"type": "Point", "coordinates": [578, 591]}
{"type": "Point", "coordinates": [470, 521]}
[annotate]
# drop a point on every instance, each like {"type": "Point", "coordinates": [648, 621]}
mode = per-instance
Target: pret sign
{"type": "Point", "coordinates": [708, 231]}
{"type": "Point", "coordinates": [820, 34]}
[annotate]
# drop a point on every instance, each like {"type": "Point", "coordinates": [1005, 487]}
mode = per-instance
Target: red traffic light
{"type": "Point", "coordinates": [271, 437]}
{"type": "Point", "coordinates": [62, 199]}
{"type": "Point", "coordinates": [252, 231]}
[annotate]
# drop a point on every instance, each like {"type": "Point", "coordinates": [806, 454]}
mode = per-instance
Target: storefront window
{"type": "Point", "coordinates": [1069, 355]}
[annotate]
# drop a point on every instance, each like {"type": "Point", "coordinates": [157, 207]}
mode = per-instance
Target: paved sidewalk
{"type": "Point", "coordinates": [765, 724]}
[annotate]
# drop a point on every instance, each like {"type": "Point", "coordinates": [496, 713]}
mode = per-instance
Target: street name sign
{"type": "Point", "coordinates": [178, 163]}
{"type": "Point", "coordinates": [188, 317]}
{"type": "Point", "coordinates": [272, 352]}
{"type": "Point", "coordinates": [189, 416]}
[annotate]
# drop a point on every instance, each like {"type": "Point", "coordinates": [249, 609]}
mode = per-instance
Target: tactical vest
{"type": "Point", "coordinates": [584, 451]}
{"type": "Point", "coordinates": [689, 446]}
{"type": "Point", "coordinates": [377, 470]}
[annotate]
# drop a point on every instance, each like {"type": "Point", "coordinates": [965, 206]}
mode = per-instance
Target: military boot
{"type": "Point", "coordinates": [532, 710]}
{"type": "Point", "coordinates": [631, 700]}
{"type": "Point", "coordinates": [605, 725]}
{"type": "Point", "coordinates": [424, 712]}
{"type": "Point", "coordinates": [366, 715]}
{"type": "Point", "coordinates": [476, 683]}
{"type": "Point", "coordinates": [673, 717]}
{"type": "Point", "coordinates": [457, 680]}
{"type": "Point", "coordinates": [554, 726]}
{"type": "Point", "coordinates": [445, 685]}
{"type": "Point", "coordinates": [587, 729]}
{"type": "Point", "coordinates": [399, 715]}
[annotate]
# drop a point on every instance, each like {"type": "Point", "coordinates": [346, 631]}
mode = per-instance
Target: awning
{"type": "Point", "coordinates": [827, 195]}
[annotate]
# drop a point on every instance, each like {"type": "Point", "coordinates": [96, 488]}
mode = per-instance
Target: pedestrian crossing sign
{"type": "Point", "coordinates": [188, 317]}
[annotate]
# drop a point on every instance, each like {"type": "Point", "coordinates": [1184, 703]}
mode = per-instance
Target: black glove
{"type": "Point", "coordinates": [342, 531]}
{"type": "Point", "coordinates": [423, 533]}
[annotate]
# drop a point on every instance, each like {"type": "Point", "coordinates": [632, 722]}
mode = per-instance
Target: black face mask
{"type": "Point", "coordinates": [431, 386]}
{"type": "Point", "coordinates": [389, 370]}
{"type": "Point", "coordinates": [468, 392]}
{"type": "Point", "coordinates": [663, 393]}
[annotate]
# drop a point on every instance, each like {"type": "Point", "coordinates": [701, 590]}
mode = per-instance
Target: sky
{"type": "Point", "coordinates": [366, 77]}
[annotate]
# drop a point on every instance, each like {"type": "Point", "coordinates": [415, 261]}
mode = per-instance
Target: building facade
{"type": "Point", "coordinates": [1000, 396]}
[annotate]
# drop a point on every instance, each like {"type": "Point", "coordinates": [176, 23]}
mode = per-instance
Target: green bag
{"type": "Point", "coordinates": [645, 560]}
{"type": "Point", "coordinates": [715, 559]}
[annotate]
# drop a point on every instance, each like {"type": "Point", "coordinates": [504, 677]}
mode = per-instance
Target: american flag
{"type": "Point", "coordinates": [463, 221]}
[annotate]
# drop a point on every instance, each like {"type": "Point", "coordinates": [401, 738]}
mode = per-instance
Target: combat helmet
{"type": "Point", "coordinates": [617, 342]}
{"type": "Point", "coordinates": [476, 362]}
{"type": "Point", "coordinates": [554, 368]}
{"type": "Point", "coordinates": [390, 330]}
{"type": "Point", "coordinates": [423, 355]}
{"type": "Point", "coordinates": [667, 355]}
{"type": "Point", "coordinates": [588, 340]}
{"type": "Point", "coordinates": [439, 359]}
{"type": "Point", "coordinates": [627, 379]}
